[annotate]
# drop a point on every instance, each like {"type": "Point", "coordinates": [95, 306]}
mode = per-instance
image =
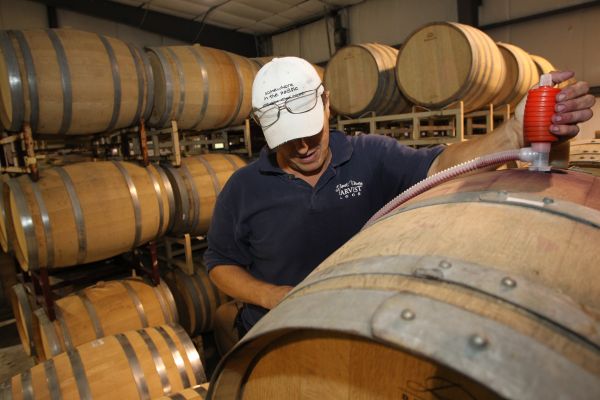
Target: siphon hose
{"type": "Point", "coordinates": [447, 174]}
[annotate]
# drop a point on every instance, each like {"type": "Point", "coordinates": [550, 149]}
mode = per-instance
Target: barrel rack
{"type": "Point", "coordinates": [419, 127]}
{"type": "Point", "coordinates": [171, 143]}
{"type": "Point", "coordinates": [18, 155]}
{"type": "Point", "coordinates": [44, 291]}
{"type": "Point", "coordinates": [483, 121]}
{"type": "Point", "coordinates": [427, 127]}
{"type": "Point", "coordinates": [182, 246]}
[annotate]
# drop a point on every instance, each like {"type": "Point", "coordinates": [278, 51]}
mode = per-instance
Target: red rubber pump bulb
{"type": "Point", "coordinates": [537, 120]}
{"type": "Point", "coordinates": [538, 114]}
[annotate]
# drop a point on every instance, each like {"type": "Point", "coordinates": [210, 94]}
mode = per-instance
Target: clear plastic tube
{"type": "Point", "coordinates": [525, 154]}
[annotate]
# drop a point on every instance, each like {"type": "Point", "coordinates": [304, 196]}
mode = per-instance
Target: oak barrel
{"type": "Point", "coordinates": [65, 81]}
{"type": "Point", "coordinates": [86, 212]}
{"type": "Point", "coordinates": [521, 74]}
{"type": "Point", "coordinates": [23, 306]}
{"type": "Point", "coordinates": [543, 65]}
{"type": "Point", "coordinates": [444, 62]}
{"type": "Point", "coordinates": [104, 309]}
{"type": "Point", "coordinates": [478, 288]}
{"type": "Point", "coordinates": [196, 297]}
{"type": "Point", "coordinates": [144, 363]}
{"type": "Point", "coordinates": [261, 61]}
{"type": "Point", "coordinates": [360, 79]}
{"type": "Point", "coordinates": [196, 185]}
{"type": "Point", "coordinates": [200, 87]}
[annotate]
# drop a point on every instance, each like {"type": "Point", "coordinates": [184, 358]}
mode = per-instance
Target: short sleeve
{"type": "Point", "coordinates": [225, 244]}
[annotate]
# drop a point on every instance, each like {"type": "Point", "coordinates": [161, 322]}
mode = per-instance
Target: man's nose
{"type": "Point", "coordinates": [301, 145]}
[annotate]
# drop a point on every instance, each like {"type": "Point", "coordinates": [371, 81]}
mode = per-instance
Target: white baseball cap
{"type": "Point", "coordinates": [281, 79]}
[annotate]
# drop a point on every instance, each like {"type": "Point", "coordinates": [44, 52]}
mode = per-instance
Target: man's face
{"type": "Point", "coordinates": [308, 155]}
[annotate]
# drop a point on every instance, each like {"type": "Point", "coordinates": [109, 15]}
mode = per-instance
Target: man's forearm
{"type": "Point", "coordinates": [238, 283]}
{"type": "Point", "coordinates": [507, 136]}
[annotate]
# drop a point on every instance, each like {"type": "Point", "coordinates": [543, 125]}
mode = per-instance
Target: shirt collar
{"type": "Point", "coordinates": [340, 146]}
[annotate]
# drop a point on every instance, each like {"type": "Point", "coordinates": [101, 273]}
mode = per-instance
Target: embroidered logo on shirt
{"type": "Point", "coordinates": [349, 189]}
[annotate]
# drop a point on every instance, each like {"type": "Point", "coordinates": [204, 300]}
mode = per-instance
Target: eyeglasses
{"type": "Point", "coordinates": [266, 116]}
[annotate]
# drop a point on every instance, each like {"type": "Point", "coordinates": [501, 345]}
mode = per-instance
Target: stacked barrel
{"type": "Point", "coordinates": [437, 66]}
{"type": "Point", "coordinates": [70, 82]}
{"type": "Point", "coordinates": [85, 212]}
{"type": "Point", "coordinates": [63, 82]}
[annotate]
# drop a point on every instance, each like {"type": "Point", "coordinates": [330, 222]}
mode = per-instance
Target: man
{"type": "Point", "coordinates": [312, 190]}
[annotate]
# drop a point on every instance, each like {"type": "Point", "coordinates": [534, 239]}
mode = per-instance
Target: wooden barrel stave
{"type": "Point", "coordinates": [372, 65]}
{"type": "Point", "coordinates": [197, 298]}
{"type": "Point", "coordinates": [343, 345]}
{"type": "Point", "coordinates": [70, 202]}
{"type": "Point", "coordinates": [407, 298]}
{"type": "Point", "coordinates": [179, 86]}
{"type": "Point", "coordinates": [245, 72]}
{"type": "Point", "coordinates": [104, 309]}
{"type": "Point", "coordinates": [200, 87]}
{"type": "Point", "coordinates": [543, 65]}
{"type": "Point", "coordinates": [196, 185]}
{"type": "Point", "coordinates": [52, 72]}
{"type": "Point", "coordinates": [461, 63]}
{"type": "Point", "coordinates": [576, 188]}
{"type": "Point", "coordinates": [521, 75]}
{"type": "Point", "coordinates": [481, 85]}
{"type": "Point", "coordinates": [128, 363]}
{"type": "Point", "coordinates": [24, 305]}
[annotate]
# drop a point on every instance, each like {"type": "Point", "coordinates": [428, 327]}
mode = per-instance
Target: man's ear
{"type": "Point", "coordinates": [325, 98]}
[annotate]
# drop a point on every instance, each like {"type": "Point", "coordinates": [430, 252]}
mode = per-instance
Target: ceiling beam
{"type": "Point", "coordinates": [163, 24]}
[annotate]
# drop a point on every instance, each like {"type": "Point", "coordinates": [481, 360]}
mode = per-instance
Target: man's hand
{"type": "Point", "coordinates": [237, 282]}
{"type": "Point", "coordinates": [573, 106]}
{"type": "Point", "coordinates": [273, 296]}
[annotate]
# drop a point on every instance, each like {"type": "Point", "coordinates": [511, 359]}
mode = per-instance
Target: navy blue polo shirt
{"type": "Point", "coordinates": [280, 228]}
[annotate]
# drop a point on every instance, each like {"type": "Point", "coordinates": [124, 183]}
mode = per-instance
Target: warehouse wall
{"type": "Point", "coordinates": [124, 32]}
{"type": "Point", "coordinates": [310, 42]}
{"type": "Point", "coordinates": [569, 41]}
{"type": "Point", "coordinates": [391, 21]}
{"type": "Point", "coordinates": [370, 21]}
{"type": "Point", "coordinates": [501, 10]}
{"type": "Point", "coordinates": [22, 14]}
